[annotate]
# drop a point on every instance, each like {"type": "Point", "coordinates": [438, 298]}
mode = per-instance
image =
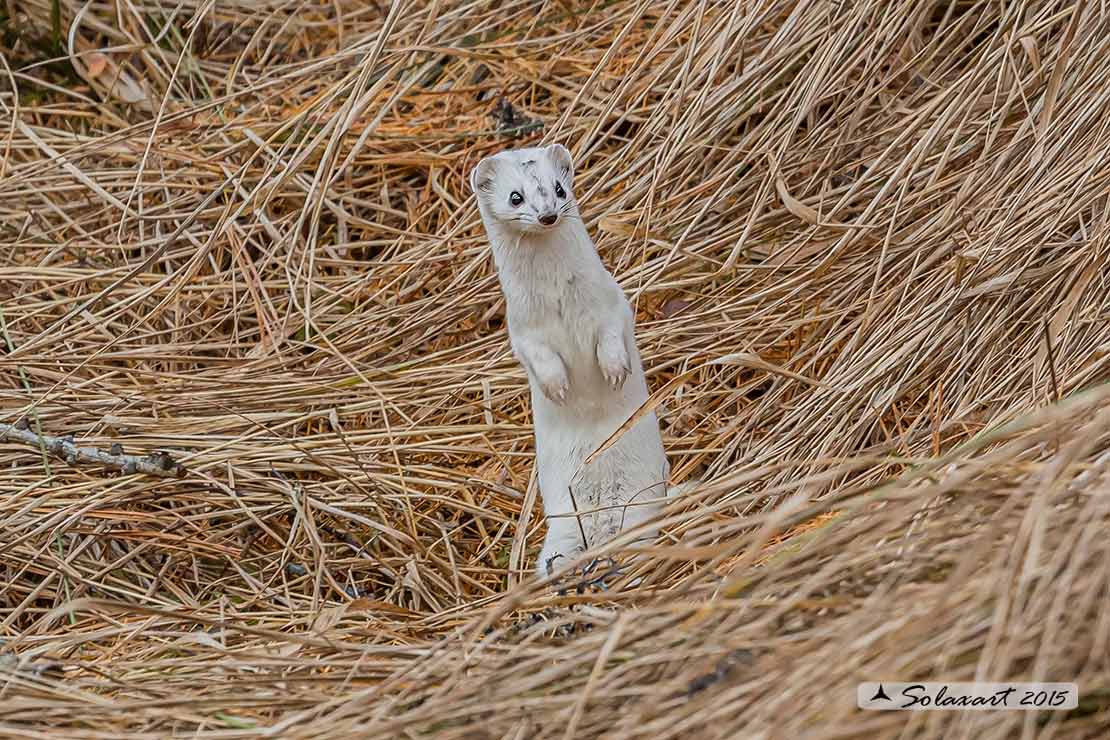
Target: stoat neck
{"type": "Point", "coordinates": [568, 247]}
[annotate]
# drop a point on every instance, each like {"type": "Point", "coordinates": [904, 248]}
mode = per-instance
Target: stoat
{"type": "Point", "coordinates": [572, 329]}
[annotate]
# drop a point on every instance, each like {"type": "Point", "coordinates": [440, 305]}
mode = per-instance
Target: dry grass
{"type": "Point", "coordinates": [868, 246]}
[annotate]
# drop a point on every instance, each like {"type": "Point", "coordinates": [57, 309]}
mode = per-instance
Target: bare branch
{"type": "Point", "coordinates": [159, 463]}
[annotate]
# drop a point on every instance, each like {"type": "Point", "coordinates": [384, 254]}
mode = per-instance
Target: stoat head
{"type": "Point", "coordinates": [526, 190]}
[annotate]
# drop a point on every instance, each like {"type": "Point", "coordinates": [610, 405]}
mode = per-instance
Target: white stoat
{"type": "Point", "coordinates": [572, 329]}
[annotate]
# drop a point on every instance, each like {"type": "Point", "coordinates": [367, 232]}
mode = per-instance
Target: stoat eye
{"type": "Point", "coordinates": [559, 190]}
{"type": "Point", "coordinates": [516, 198]}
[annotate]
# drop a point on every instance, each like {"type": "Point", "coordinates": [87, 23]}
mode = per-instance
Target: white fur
{"type": "Point", "coordinates": [571, 327]}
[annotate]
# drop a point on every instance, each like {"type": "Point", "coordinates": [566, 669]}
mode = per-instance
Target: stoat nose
{"type": "Point", "coordinates": [548, 219]}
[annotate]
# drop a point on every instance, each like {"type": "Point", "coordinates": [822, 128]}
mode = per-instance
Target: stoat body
{"type": "Point", "coordinates": [572, 329]}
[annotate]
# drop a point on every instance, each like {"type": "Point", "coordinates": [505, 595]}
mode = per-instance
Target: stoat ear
{"type": "Point", "coordinates": [560, 157]}
{"type": "Point", "coordinates": [481, 177]}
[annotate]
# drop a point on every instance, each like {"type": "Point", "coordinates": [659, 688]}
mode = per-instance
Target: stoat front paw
{"type": "Point", "coordinates": [614, 368]}
{"type": "Point", "coordinates": [555, 388]}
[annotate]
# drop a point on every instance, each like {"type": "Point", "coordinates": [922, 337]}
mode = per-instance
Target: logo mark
{"type": "Point", "coordinates": [880, 694]}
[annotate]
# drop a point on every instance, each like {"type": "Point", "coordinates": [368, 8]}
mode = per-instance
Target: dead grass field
{"type": "Point", "coordinates": [868, 247]}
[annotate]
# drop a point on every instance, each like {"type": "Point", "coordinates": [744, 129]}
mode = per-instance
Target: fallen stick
{"type": "Point", "coordinates": [159, 463]}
